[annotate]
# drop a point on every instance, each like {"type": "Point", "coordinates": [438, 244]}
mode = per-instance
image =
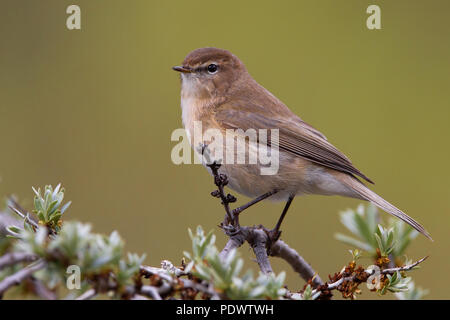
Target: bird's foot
{"type": "Point", "coordinates": [230, 230]}
{"type": "Point", "coordinates": [272, 236]}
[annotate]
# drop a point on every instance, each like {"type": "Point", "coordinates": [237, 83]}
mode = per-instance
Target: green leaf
{"type": "Point", "coordinates": [363, 228]}
{"type": "Point", "coordinates": [353, 242]}
{"type": "Point", "coordinates": [65, 207]}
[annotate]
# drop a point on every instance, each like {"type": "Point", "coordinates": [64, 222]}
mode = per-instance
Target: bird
{"type": "Point", "coordinates": [218, 92]}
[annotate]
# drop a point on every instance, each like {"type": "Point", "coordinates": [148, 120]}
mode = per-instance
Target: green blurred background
{"type": "Point", "coordinates": [94, 109]}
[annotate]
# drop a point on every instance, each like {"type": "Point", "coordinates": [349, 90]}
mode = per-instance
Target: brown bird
{"type": "Point", "coordinates": [218, 92]}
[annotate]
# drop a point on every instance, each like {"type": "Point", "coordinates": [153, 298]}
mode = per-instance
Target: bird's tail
{"type": "Point", "coordinates": [371, 196]}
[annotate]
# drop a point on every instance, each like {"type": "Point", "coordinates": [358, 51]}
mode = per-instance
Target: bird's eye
{"type": "Point", "coordinates": [212, 68]}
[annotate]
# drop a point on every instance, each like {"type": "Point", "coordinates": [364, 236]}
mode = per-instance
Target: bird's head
{"type": "Point", "coordinates": [209, 73]}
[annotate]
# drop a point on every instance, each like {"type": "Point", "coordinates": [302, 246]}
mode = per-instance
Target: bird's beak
{"type": "Point", "coordinates": [182, 69]}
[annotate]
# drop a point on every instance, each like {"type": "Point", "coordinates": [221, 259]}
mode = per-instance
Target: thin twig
{"type": "Point", "coordinates": [221, 180]}
{"type": "Point", "coordinates": [167, 265]}
{"type": "Point", "coordinates": [200, 287]}
{"type": "Point", "coordinates": [6, 221]}
{"type": "Point", "coordinates": [151, 291]}
{"type": "Point", "coordinates": [404, 268]}
{"type": "Point", "coordinates": [21, 275]}
{"type": "Point", "coordinates": [41, 290]}
{"type": "Point", "coordinates": [150, 271]}
{"type": "Point", "coordinates": [369, 272]}
{"type": "Point", "coordinates": [139, 297]}
{"type": "Point", "coordinates": [87, 295]}
{"type": "Point", "coordinates": [17, 208]}
{"type": "Point", "coordinates": [12, 258]}
{"type": "Point", "coordinates": [173, 282]}
{"type": "Point", "coordinates": [25, 217]}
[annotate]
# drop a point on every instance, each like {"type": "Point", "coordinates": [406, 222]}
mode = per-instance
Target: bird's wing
{"type": "Point", "coordinates": [295, 136]}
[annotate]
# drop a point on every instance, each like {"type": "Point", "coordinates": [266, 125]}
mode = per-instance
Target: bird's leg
{"type": "Point", "coordinates": [238, 210]}
{"type": "Point", "coordinates": [275, 233]}
{"type": "Point", "coordinates": [235, 213]}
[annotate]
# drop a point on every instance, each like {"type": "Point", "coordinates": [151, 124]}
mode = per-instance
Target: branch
{"type": "Point", "coordinates": [279, 249]}
{"type": "Point", "coordinates": [221, 180]}
{"type": "Point", "coordinates": [282, 250]}
{"type": "Point", "coordinates": [41, 289]}
{"type": "Point", "coordinates": [362, 276]}
{"type": "Point", "coordinates": [12, 258]}
{"type": "Point", "coordinates": [87, 295]}
{"type": "Point", "coordinates": [151, 291]}
{"type": "Point", "coordinates": [21, 275]}
{"type": "Point", "coordinates": [169, 283]}
{"type": "Point", "coordinates": [168, 266]}
{"type": "Point", "coordinates": [19, 210]}
{"type": "Point", "coordinates": [258, 240]}
{"type": "Point", "coordinates": [235, 241]}
{"type": "Point", "coordinates": [7, 220]}
{"type": "Point", "coordinates": [404, 268]}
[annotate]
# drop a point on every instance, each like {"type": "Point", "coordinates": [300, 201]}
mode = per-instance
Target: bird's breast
{"type": "Point", "coordinates": [191, 113]}
{"type": "Point", "coordinates": [198, 112]}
